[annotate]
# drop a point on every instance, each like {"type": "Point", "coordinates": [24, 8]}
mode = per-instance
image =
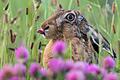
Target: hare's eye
{"type": "Point", "coordinates": [70, 17]}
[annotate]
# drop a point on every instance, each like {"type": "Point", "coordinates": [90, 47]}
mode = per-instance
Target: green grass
{"type": "Point", "coordinates": [100, 16]}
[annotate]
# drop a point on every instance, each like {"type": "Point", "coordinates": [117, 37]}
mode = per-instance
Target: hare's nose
{"type": "Point", "coordinates": [41, 31]}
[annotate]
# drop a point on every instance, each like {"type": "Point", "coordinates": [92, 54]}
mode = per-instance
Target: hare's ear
{"type": "Point", "coordinates": [59, 7]}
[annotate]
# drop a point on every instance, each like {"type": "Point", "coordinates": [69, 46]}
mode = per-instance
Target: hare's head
{"type": "Point", "coordinates": [60, 23]}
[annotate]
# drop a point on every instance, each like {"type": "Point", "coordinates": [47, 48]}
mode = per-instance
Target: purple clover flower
{"type": "Point", "coordinates": [81, 66]}
{"type": "Point", "coordinates": [111, 76]}
{"type": "Point", "coordinates": [17, 78]}
{"type": "Point", "coordinates": [69, 64]}
{"type": "Point", "coordinates": [103, 72]}
{"type": "Point", "coordinates": [108, 63]}
{"type": "Point", "coordinates": [44, 72]}
{"type": "Point", "coordinates": [93, 69]}
{"type": "Point", "coordinates": [21, 54]}
{"type": "Point", "coordinates": [56, 65]}
{"type": "Point", "coordinates": [34, 70]}
{"type": "Point", "coordinates": [14, 78]}
{"type": "Point", "coordinates": [75, 75]}
{"type": "Point", "coordinates": [20, 70]}
{"type": "Point", "coordinates": [59, 47]}
{"type": "Point", "coordinates": [7, 72]}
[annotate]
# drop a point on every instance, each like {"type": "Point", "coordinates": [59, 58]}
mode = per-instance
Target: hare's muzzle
{"type": "Point", "coordinates": [41, 31]}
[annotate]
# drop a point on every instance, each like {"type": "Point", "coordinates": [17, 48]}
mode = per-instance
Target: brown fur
{"type": "Point", "coordinates": [69, 33]}
{"type": "Point", "coordinates": [47, 53]}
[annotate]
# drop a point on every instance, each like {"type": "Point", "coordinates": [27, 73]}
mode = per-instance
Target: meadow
{"type": "Point", "coordinates": [20, 19]}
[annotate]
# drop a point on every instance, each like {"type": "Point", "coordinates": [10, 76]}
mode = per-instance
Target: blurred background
{"type": "Point", "coordinates": [19, 20]}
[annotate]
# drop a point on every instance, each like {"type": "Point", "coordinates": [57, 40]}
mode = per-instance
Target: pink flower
{"type": "Point", "coordinates": [44, 72]}
{"type": "Point", "coordinates": [14, 78]}
{"type": "Point", "coordinates": [56, 65]}
{"type": "Point", "coordinates": [21, 54]}
{"type": "Point", "coordinates": [111, 76]}
{"type": "Point", "coordinates": [20, 70]}
{"type": "Point", "coordinates": [103, 72]}
{"type": "Point", "coordinates": [69, 64]}
{"type": "Point", "coordinates": [75, 75]}
{"type": "Point", "coordinates": [7, 72]}
{"type": "Point", "coordinates": [93, 69]}
{"type": "Point", "coordinates": [59, 47]}
{"type": "Point", "coordinates": [34, 70]}
{"type": "Point", "coordinates": [17, 78]}
{"type": "Point", "coordinates": [108, 63]}
{"type": "Point", "coordinates": [81, 66]}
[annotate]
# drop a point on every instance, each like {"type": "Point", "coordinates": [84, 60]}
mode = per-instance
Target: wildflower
{"type": "Point", "coordinates": [80, 66]}
{"type": "Point", "coordinates": [34, 70]}
{"type": "Point", "coordinates": [69, 64]}
{"type": "Point", "coordinates": [21, 54]}
{"type": "Point", "coordinates": [75, 75]}
{"type": "Point", "coordinates": [14, 78]}
{"type": "Point", "coordinates": [17, 78]}
{"type": "Point", "coordinates": [20, 70]}
{"type": "Point", "coordinates": [59, 47]}
{"type": "Point", "coordinates": [103, 72]}
{"type": "Point", "coordinates": [56, 65]}
{"type": "Point", "coordinates": [111, 76]}
{"type": "Point", "coordinates": [108, 63]}
{"type": "Point", "coordinates": [43, 72]}
{"type": "Point", "coordinates": [7, 72]}
{"type": "Point", "coordinates": [93, 69]}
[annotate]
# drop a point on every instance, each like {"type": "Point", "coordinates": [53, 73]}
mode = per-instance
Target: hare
{"type": "Point", "coordinates": [72, 26]}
